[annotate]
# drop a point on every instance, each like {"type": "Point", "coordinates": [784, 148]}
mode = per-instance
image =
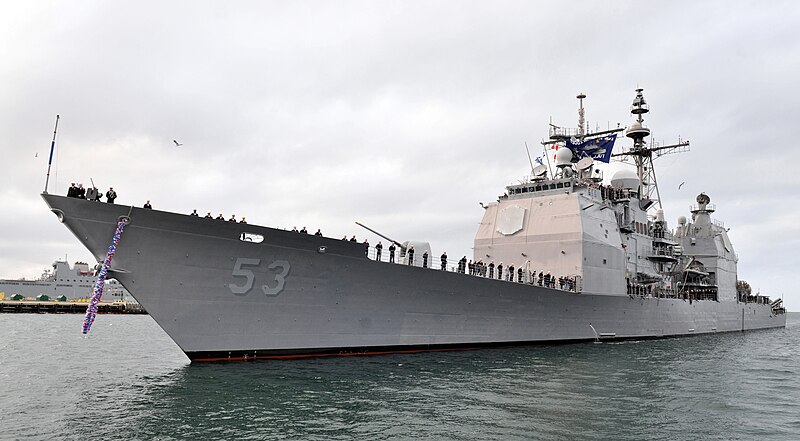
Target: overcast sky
{"type": "Point", "coordinates": [402, 115]}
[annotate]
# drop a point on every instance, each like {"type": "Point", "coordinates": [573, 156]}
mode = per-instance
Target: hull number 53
{"type": "Point", "coordinates": [276, 273]}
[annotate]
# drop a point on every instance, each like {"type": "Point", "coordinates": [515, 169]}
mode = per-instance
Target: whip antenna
{"type": "Point", "coordinates": [529, 157]}
{"type": "Point", "coordinates": [50, 162]}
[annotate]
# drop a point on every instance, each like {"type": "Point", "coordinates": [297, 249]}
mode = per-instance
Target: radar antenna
{"type": "Point", "coordinates": [642, 154]}
{"type": "Point", "coordinates": [559, 135]}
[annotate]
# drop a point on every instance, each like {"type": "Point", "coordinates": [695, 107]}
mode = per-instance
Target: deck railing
{"type": "Point", "coordinates": [570, 283]}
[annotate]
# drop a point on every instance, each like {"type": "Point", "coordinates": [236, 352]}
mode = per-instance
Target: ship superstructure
{"type": "Point", "coordinates": [603, 238]}
{"type": "Point", "coordinates": [559, 257]}
{"type": "Point", "coordinates": [61, 282]}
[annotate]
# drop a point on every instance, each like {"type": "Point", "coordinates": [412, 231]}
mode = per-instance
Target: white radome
{"type": "Point", "coordinates": [563, 157]}
{"type": "Point", "coordinates": [626, 179]}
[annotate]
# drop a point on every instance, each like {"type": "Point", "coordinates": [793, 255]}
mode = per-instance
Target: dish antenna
{"type": "Point", "coordinates": [585, 164]}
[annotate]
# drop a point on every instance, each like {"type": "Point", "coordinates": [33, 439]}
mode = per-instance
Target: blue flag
{"type": "Point", "coordinates": [598, 149]}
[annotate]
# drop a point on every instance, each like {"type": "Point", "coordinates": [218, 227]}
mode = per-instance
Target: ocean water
{"type": "Point", "coordinates": [127, 380]}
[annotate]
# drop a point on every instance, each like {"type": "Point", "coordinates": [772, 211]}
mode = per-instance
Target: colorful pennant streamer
{"type": "Point", "coordinates": [97, 292]}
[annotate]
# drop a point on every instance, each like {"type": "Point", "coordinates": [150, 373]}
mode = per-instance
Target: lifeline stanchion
{"type": "Point", "coordinates": [97, 292]}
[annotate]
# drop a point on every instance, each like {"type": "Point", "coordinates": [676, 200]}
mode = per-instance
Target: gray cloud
{"type": "Point", "coordinates": [402, 115]}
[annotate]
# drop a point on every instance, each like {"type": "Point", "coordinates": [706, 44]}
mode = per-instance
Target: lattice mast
{"type": "Point", "coordinates": [642, 154]}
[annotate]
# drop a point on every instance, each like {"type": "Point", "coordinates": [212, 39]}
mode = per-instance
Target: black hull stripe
{"type": "Point", "coordinates": [288, 354]}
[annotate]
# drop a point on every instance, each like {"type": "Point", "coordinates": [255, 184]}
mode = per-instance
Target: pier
{"type": "Point", "coordinates": [47, 307]}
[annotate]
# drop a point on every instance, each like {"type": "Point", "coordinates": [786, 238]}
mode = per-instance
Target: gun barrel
{"type": "Point", "coordinates": [379, 234]}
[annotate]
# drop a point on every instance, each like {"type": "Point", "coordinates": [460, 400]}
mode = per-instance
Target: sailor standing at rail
{"type": "Point", "coordinates": [391, 253]}
{"type": "Point", "coordinates": [444, 261]}
{"type": "Point", "coordinates": [411, 256]}
{"type": "Point", "coordinates": [111, 195]}
{"type": "Point", "coordinates": [491, 269]}
{"type": "Point", "coordinates": [366, 247]}
{"type": "Point", "coordinates": [500, 270]}
{"type": "Point", "coordinates": [378, 249]}
{"type": "Point", "coordinates": [425, 259]}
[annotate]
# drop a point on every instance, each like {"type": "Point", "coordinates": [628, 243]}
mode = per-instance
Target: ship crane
{"type": "Point", "coordinates": [643, 154]}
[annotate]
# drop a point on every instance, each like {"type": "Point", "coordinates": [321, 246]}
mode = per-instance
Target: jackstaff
{"type": "Point", "coordinates": [50, 161]}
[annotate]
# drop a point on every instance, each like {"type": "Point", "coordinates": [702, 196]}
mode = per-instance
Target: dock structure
{"type": "Point", "coordinates": [46, 307]}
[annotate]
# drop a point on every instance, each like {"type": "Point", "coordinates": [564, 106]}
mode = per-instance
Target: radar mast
{"type": "Point", "coordinates": [581, 116]}
{"type": "Point", "coordinates": [643, 154]}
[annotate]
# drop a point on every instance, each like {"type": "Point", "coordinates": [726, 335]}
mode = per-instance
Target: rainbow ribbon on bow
{"type": "Point", "coordinates": [97, 292]}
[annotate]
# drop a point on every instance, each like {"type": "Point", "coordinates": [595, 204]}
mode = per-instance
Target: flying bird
{"type": "Point", "coordinates": [177, 144]}
{"type": "Point", "coordinates": [679, 187]}
{"type": "Point", "coordinates": [37, 155]}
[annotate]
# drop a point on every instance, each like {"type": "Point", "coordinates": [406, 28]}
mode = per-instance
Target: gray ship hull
{"type": "Point", "coordinates": [219, 297]}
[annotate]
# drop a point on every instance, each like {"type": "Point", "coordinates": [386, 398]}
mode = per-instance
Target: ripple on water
{"type": "Point", "coordinates": [56, 384]}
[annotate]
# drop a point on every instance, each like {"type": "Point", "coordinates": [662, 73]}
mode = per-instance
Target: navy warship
{"type": "Point", "coordinates": [562, 256]}
{"type": "Point", "coordinates": [60, 282]}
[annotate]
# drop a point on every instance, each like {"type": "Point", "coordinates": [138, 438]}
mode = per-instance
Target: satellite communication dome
{"type": "Point", "coordinates": [626, 179]}
{"type": "Point", "coordinates": [563, 157]}
{"type": "Point", "coordinates": [682, 220]}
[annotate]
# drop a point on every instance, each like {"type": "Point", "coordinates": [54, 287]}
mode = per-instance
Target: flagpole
{"type": "Point", "coordinates": [50, 161]}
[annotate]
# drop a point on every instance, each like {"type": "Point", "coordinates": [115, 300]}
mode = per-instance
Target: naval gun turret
{"type": "Point", "coordinates": [412, 252]}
